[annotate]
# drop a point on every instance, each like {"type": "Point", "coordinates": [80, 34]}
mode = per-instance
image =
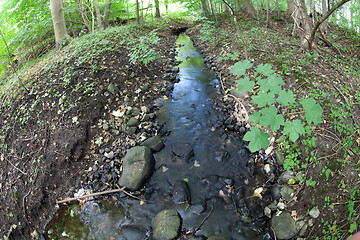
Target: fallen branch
{"type": "Point", "coordinates": [90, 195]}
{"type": "Point", "coordinates": [203, 221]}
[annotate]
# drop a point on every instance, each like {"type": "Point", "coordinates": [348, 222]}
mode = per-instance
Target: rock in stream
{"type": "Point", "coordinates": [137, 167]}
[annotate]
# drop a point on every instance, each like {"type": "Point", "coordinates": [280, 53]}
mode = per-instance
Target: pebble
{"type": "Point", "coordinates": [105, 126]}
{"type": "Point", "coordinates": [109, 155]}
{"type": "Point", "coordinates": [314, 212]}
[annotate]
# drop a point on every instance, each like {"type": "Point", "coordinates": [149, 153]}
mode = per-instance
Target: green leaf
{"type": "Point", "coordinates": [293, 129]}
{"type": "Point", "coordinates": [313, 110]}
{"type": "Point", "coordinates": [265, 69]}
{"type": "Point", "coordinates": [272, 83]}
{"type": "Point", "coordinates": [256, 139]}
{"type": "Point", "coordinates": [353, 227]}
{"type": "Point", "coordinates": [245, 84]}
{"type": "Point", "coordinates": [263, 98]}
{"type": "Point", "coordinates": [285, 97]}
{"type": "Point", "coordinates": [270, 117]}
{"type": "Point", "coordinates": [255, 117]}
{"type": "Point", "coordinates": [241, 67]}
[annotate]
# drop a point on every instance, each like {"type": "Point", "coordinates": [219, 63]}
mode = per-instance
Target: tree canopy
{"type": "Point", "coordinates": [27, 29]}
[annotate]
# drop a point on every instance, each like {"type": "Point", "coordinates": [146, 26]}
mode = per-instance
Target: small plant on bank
{"type": "Point", "coordinates": [141, 50]}
{"type": "Point", "coordinates": [268, 93]}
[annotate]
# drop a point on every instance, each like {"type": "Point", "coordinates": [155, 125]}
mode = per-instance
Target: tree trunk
{"type": "Point", "coordinates": [105, 21]}
{"type": "Point", "coordinates": [98, 15]}
{"type": "Point", "coordinates": [57, 15]}
{"type": "Point", "coordinates": [205, 7]}
{"type": "Point", "coordinates": [290, 7]}
{"type": "Point", "coordinates": [166, 3]}
{"type": "Point", "coordinates": [157, 9]}
{"type": "Point", "coordinates": [137, 12]}
{"type": "Point", "coordinates": [321, 20]}
{"type": "Point", "coordinates": [305, 25]}
{"type": "Point", "coordinates": [238, 30]}
{"type": "Point", "coordinates": [212, 9]}
{"type": "Point", "coordinates": [324, 7]}
{"type": "Point", "coordinates": [249, 8]}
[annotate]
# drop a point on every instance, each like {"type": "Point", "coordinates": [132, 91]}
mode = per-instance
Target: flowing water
{"type": "Point", "coordinates": [215, 173]}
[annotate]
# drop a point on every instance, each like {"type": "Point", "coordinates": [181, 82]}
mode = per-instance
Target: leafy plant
{"type": "Point", "coordinates": [142, 51]}
{"type": "Point", "coordinates": [269, 95]}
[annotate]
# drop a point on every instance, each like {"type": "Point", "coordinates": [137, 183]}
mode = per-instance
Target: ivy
{"type": "Point", "coordinates": [268, 94]}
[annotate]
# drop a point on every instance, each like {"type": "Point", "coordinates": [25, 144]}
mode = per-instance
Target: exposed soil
{"type": "Point", "coordinates": [47, 138]}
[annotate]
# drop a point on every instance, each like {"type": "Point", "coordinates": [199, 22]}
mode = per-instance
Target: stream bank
{"type": "Point", "coordinates": [199, 170]}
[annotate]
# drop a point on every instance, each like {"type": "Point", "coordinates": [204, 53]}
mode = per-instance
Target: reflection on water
{"type": "Point", "coordinates": [216, 170]}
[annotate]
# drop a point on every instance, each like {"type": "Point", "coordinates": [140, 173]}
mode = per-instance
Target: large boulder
{"type": "Point", "coordinates": [166, 225]}
{"type": "Point", "coordinates": [283, 226]}
{"type": "Point", "coordinates": [137, 167]}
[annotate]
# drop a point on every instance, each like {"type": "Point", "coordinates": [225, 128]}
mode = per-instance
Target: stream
{"type": "Point", "coordinates": [199, 154]}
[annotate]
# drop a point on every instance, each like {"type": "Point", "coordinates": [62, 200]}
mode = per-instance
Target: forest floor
{"type": "Point", "coordinates": [48, 129]}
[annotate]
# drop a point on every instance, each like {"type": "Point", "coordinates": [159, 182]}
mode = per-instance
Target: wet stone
{"type": "Point", "coordinates": [283, 226]}
{"type": "Point", "coordinates": [286, 176]}
{"type": "Point", "coordinates": [133, 233]}
{"type": "Point", "coordinates": [276, 192]}
{"type": "Point", "coordinates": [217, 237]}
{"type": "Point", "coordinates": [286, 193]}
{"type": "Point", "coordinates": [197, 209]}
{"type": "Point", "coordinates": [131, 130]}
{"type": "Point", "coordinates": [166, 225]}
{"type": "Point", "coordinates": [133, 122]}
{"type": "Point", "coordinates": [183, 151]}
{"type": "Point", "coordinates": [154, 143]}
{"type": "Point", "coordinates": [221, 155]}
{"type": "Point", "coordinates": [181, 192]}
{"type": "Point", "coordinates": [137, 166]}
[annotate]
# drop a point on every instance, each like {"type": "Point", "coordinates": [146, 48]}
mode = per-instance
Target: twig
{"type": "Point", "coordinates": [90, 195]}
{"type": "Point", "coordinates": [203, 221]}
{"type": "Point", "coordinates": [3, 157]}
{"type": "Point", "coordinates": [129, 194]}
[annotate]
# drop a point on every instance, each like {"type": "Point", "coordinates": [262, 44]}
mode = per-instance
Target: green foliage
{"type": "Point", "coordinates": [257, 139]}
{"type": "Point", "coordinates": [141, 50]}
{"type": "Point", "coordinates": [313, 111]}
{"type": "Point", "coordinates": [244, 84]}
{"type": "Point", "coordinates": [294, 129]}
{"type": "Point", "coordinates": [240, 67]}
{"type": "Point", "coordinates": [267, 96]}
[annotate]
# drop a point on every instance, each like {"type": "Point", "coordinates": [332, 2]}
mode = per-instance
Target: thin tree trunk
{"type": "Point", "coordinates": [98, 15]}
{"type": "Point", "coordinates": [205, 7]}
{"type": "Point", "coordinates": [305, 31]}
{"type": "Point", "coordinates": [212, 10]}
{"type": "Point", "coordinates": [267, 12]}
{"type": "Point", "coordinates": [105, 21]}
{"type": "Point", "coordinates": [137, 12]}
{"type": "Point", "coordinates": [57, 14]}
{"type": "Point", "coordinates": [321, 20]}
{"type": "Point", "coordinates": [290, 7]}
{"type": "Point", "coordinates": [239, 31]}
{"type": "Point", "coordinates": [157, 9]}
{"type": "Point", "coordinates": [323, 27]}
